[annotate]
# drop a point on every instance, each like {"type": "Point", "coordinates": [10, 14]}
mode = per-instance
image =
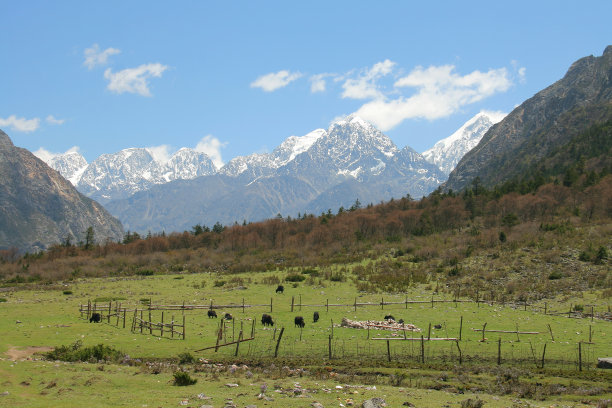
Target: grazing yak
{"type": "Point", "coordinates": [389, 317]}
{"type": "Point", "coordinates": [266, 320]}
{"type": "Point", "coordinates": [280, 289]}
{"type": "Point", "coordinates": [315, 317]}
{"type": "Point", "coordinates": [95, 318]}
{"type": "Point", "coordinates": [401, 321]}
{"type": "Point", "coordinates": [212, 313]}
{"type": "Point", "coordinates": [299, 321]}
{"type": "Point", "coordinates": [437, 326]}
{"type": "Point", "coordinates": [227, 316]}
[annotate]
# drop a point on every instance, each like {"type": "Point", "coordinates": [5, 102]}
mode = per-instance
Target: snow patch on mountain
{"type": "Point", "coordinates": [448, 152]}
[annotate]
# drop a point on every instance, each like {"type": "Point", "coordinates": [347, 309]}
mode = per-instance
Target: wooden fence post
{"type": "Point", "coordinates": [242, 305]}
{"type": "Point", "coordinates": [460, 327]}
{"type": "Point", "coordinates": [219, 335]}
{"type": "Point", "coordinates": [545, 308]}
{"type": "Point", "coordinates": [150, 323]}
{"type": "Point", "coordinates": [141, 321]}
{"type": "Point", "coordinates": [459, 349]}
{"type": "Point", "coordinates": [172, 327]}
{"type": "Point", "coordinates": [280, 336]}
{"type": "Point", "coordinates": [543, 354]}
{"type": "Point", "coordinates": [300, 302]}
{"type": "Point", "coordinates": [327, 305]}
{"type": "Point", "coordinates": [270, 305]}
{"type": "Point", "coordinates": [292, 300]}
{"type": "Point", "coordinates": [238, 343]}
{"type": "Point", "coordinates": [332, 328]}
{"type": "Point", "coordinates": [161, 330]}
{"type": "Point", "coordinates": [388, 351]}
{"type": "Point", "coordinates": [551, 333]}
{"type": "Point", "coordinates": [355, 305]}
{"type": "Point", "coordinates": [329, 348]}
{"type": "Point", "coordinates": [592, 315]}
{"type": "Point", "coordinates": [382, 303]}
{"type": "Point", "coordinates": [432, 301]}
{"type": "Point", "coordinates": [110, 305]}
{"type": "Point", "coordinates": [422, 349]}
{"type": "Point", "coordinates": [579, 356]}
{"type": "Point", "coordinates": [406, 302]}
{"type": "Point", "coordinates": [483, 331]}
{"type": "Point", "coordinates": [124, 312]}
{"type": "Point", "coordinates": [499, 351]}
{"type": "Point", "coordinates": [429, 332]}
{"type": "Point", "coordinates": [253, 328]}
{"type": "Point", "coordinates": [590, 333]}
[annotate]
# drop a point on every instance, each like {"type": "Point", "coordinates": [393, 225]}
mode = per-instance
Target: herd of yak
{"type": "Point", "coordinates": [266, 319]}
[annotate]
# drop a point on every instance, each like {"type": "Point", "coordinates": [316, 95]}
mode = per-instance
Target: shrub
{"type": "Point", "coordinates": [311, 272]}
{"type": "Point", "coordinates": [2, 300]}
{"type": "Point", "coordinates": [336, 277]}
{"type": "Point", "coordinates": [472, 403]}
{"type": "Point", "coordinates": [578, 308]}
{"type": "Point", "coordinates": [182, 379]}
{"type": "Point", "coordinates": [76, 352]}
{"type": "Point", "coordinates": [67, 292]}
{"type": "Point", "coordinates": [295, 277]}
{"type": "Point", "coordinates": [186, 358]}
{"type": "Point", "coordinates": [555, 275]}
{"type": "Point", "coordinates": [219, 283]}
{"type": "Point", "coordinates": [145, 272]}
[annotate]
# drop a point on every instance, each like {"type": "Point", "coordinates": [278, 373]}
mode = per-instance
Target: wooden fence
{"type": "Point", "coordinates": [148, 326]}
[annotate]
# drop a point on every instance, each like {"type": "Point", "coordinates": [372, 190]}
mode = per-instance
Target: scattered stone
{"type": "Point", "coordinates": [374, 403]}
{"type": "Point", "coordinates": [4, 394]}
{"type": "Point", "coordinates": [604, 362]}
{"type": "Point", "coordinates": [408, 404]}
{"type": "Point", "coordinates": [251, 406]}
{"type": "Point", "coordinates": [206, 406]}
{"type": "Point", "coordinates": [231, 385]}
{"type": "Point", "coordinates": [317, 405]}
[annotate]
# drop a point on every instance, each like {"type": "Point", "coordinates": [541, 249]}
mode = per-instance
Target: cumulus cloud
{"type": "Point", "coordinates": [211, 146]}
{"type": "Point", "coordinates": [95, 57]}
{"type": "Point", "coordinates": [440, 92]}
{"type": "Point", "coordinates": [365, 86]}
{"type": "Point", "coordinates": [54, 121]}
{"type": "Point", "coordinates": [161, 154]}
{"type": "Point", "coordinates": [46, 155]}
{"type": "Point", "coordinates": [20, 124]}
{"type": "Point", "coordinates": [134, 80]}
{"type": "Point", "coordinates": [275, 80]}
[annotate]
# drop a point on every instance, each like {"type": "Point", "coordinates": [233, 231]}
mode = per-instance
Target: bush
{"type": "Point", "coordinates": [295, 277]}
{"type": "Point", "coordinates": [145, 272]}
{"type": "Point", "coordinates": [311, 272]}
{"type": "Point", "coordinates": [472, 403]}
{"type": "Point", "coordinates": [219, 283]}
{"type": "Point", "coordinates": [555, 275]}
{"type": "Point", "coordinates": [182, 379]}
{"type": "Point", "coordinates": [76, 352]}
{"type": "Point", "coordinates": [336, 277]}
{"type": "Point", "coordinates": [578, 308]}
{"type": "Point", "coordinates": [67, 292]}
{"type": "Point", "coordinates": [2, 300]}
{"type": "Point", "coordinates": [186, 358]}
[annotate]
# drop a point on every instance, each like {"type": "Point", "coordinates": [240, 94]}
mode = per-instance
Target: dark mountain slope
{"type": "Point", "coordinates": [38, 207]}
{"type": "Point", "coordinates": [549, 119]}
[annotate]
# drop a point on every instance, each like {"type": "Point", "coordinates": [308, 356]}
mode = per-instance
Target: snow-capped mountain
{"type": "Point", "coordinates": [263, 164]}
{"type": "Point", "coordinates": [119, 175]}
{"type": "Point", "coordinates": [321, 170]}
{"type": "Point", "coordinates": [70, 165]}
{"type": "Point", "coordinates": [448, 152]}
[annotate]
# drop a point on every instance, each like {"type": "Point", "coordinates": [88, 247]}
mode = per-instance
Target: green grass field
{"type": "Point", "coordinates": [48, 317]}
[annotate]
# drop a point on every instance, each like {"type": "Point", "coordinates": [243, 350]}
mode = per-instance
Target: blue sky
{"type": "Point", "coordinates": [239, 77]}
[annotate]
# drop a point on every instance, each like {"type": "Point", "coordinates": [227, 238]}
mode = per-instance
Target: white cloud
{"type": "Point", "coordinates": [161, 154]}
{"type": "Point", "coordinates": [317, 83]}
{"type": "Point", "coordinates": [211, 146]}
{"type": "Point", "coordinates": [522, 74]}
{"type": "Point", "coordinates": [275, 80]}
{"type": "Point", "coordinates": [95, 57]}
{"type": "Point", "coordinates": [134, 80]}
{"type": "Point", "coordinates": [440, 93]}
{"type": "Point", "coordinates": [20, 124]}
{"type": "Point", "coordinates": [365, 87]}
{"type": "Point", "coordinates": [46, 156]}
{"type": "Point", "coordinates": [54, 121]}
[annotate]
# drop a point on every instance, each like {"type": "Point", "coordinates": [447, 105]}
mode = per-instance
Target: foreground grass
{"type": "Point", "coordinates": [45, 316]}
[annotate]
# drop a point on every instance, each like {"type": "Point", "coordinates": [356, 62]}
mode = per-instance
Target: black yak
{"type": "Point", "coordinates": [389, 317]}
{"type": "Point", "coordinates": [95, 318]}
{"type": "Point", "coordinates": [437, 326]}
{"type": "Point", "coordinates": [315, 317]}
{"type": "Point", "coordinates": [280, 289]}
{"type": "Point", "coordinates": [266, 320]}
{"type": "Point", "coordinates": [212, 313]}
{"type": "Point", "coordinates": [299, 321]}
{"type": "Point", "coordinates": [227, 316]}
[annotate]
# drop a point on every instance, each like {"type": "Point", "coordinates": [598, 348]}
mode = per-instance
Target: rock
{"type": "Point", "coordinates": [231, 385]}
{"type": "Point", "coordinates": [374, 403]}
{"type": "Point", "coordinates": [317, 405]}
{"type": "Point", "coordinates": [251, 406]}
{"type": "Point", "coordinates": [604, 362]}
{"type": "Point", "coordinates": [4, 394]}
{"type": "Point", "coordinates": [206, 406]}
{"type": "Point", "coordinates": [408, 404]}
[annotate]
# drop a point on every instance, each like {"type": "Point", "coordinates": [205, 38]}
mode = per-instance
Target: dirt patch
{"type": "Point", "coordinates": [15, 353]}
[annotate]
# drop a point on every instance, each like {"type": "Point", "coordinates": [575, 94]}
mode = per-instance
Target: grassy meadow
{"type": "Point", "coordinates": [49, 316]}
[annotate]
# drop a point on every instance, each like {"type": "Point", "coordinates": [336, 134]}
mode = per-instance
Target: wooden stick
{"type": "Point", "coordinates": [506, 331]}
{"type": "Point", "coordinates": [459, 348]}
{"type": "Point", "coordinates": [551, 333]}
{"type": "Point", "coordinates": [498, 350]}
{"type": "Point", "coordinates": [329, 348]}
{"type": "Point", "coordinates": [483, 331]}
{"type": "Point", "coordinates": [388, 351]}
{"type": "Point", "coordinates": [460, 327]}
{"type": "Point", "coordinates": [579, 356]}
{"type": "Point", "coordinates": [543, 354]}
{"type": "Point", "coordinates": [280, 336]}
{"type": "Point", "coordinates": [223, 345]}
{"type": "Point", "coordinates": [422, 349]}
{"type": "Point", "coordinates": [238, 343]}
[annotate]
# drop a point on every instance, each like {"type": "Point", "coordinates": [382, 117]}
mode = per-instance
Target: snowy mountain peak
{"type": "Point", "coordinates": [448, 152]}
{"type": "Point", "coordinates": [70, 164]}
{"type": "Point", "coordinates": [353, 120]}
